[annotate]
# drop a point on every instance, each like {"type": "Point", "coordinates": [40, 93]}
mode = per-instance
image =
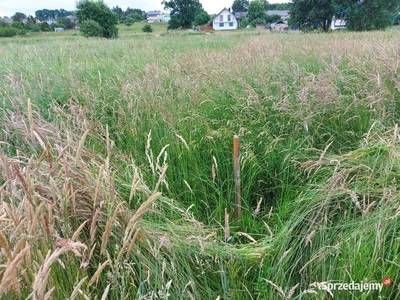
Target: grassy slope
{"type": "Point", "coordinates": [316, 115]}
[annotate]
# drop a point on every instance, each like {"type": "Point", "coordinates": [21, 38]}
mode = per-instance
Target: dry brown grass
{"type": "Point", "coordinates": [54, 180]}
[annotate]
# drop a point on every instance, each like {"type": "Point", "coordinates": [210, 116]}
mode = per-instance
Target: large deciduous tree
{"type": "Point", "coordinates": [312, 14]}
{"type": "Point", "coordinates": [66, 22]}
{"type": "Point", "coordinates": [183, 12]}
{"type": "Point", "coordinates": [18, 17]}
{"type": "Point", "coordinates": [201, 18]}
{"type": "Point", "coordinates": [265, 3]}
{"type": "Point", "coordinates": [240, 6]}
{"type": "Point", "coordinates": [363, 15]}
{"type": "Point", "coordinates": [100, 13]}
{"type": "Point", "coordinates": [256, 11]}
{"type": "Point", "coordinates": [360, 15]}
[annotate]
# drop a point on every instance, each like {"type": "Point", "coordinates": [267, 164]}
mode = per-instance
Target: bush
{"type": "Point", "coordinates": [44, 26]}
{"type": "Point", "coordinates": [147, 28]}
{"type": "Point", "coordinates": [65, 22]}
{"type": "Point", "coordinates": [91, 28]}
{"type": "Point", "coordinates": [129, 22]}
{"type": "Point", "coordinates": [3, 24]}
{"type": "Point", "coordinates": [30, 26]}
{"type": "Point", "coordinates": [254, 22]}
{"type": "Point", "coordinates": [17, 25]}
{"type": "Point", "coordinates": [8, 32]}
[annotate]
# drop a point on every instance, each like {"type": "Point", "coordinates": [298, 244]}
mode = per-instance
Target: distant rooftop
{"type": "Point", "coordinates": [283, 13]}
{"type": "Point", "coordinates": [240, 14]}
{"type": "Point", "coordinates": [153, 13]}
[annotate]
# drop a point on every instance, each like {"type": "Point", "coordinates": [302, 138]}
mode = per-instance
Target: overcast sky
{"type": "Point", "coordinates": [9, 7]}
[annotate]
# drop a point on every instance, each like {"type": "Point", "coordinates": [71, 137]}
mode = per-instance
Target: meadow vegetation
{"type": "Point", "coordinates": [116, 170]}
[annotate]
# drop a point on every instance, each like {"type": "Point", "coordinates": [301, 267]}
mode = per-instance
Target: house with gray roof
{"type": "Point", "coordinates": [284, 14]}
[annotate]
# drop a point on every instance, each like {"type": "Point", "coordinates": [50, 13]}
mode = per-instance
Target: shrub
{"type": "Point", "coordinates": [129, 22]}
{"type": "Point", "coordinates": [3, 24]}
{"type": "Point", "coordinates": [44, 26]}
{"type": "Point", "coordinates": [91, 28]}
{"type": "Point", "coordinates": [8, 32]}
{"type": "Point", "coordinates": [147, 28]}
{"type": "Point", "coordinates": [17, 25]}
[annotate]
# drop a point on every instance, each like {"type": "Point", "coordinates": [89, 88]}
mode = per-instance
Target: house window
{"type": "Point", "coordinates": [221, 24]}
{"type": "Point", "coordinates": [231, 24]}
{"type": "Point", "coordinates": [221, 18]}
{"type": "Point", "coordinates": [229, 18]}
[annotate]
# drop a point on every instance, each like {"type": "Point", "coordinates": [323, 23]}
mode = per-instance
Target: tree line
{"type": "Point", "coordinates": [21, 24]}
{"type": "Point", "coordinates": [359, 15]}
{"type": "Point", "coordinates": [46, 14]}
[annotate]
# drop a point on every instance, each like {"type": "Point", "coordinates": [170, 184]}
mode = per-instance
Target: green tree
{"type": "Point", "coordinates": [368, 14]}
{"type": "Point", "coordinates": [202, 18]}
{"type": "Point", "coordinates": [18, 27]}
{"type": "Point", "coordinates": [136, 17]}
{"type": "Point", "coordinates": [31, 25]}
{"type": "Point", "coordinates": [240, 5]}
{"type": "Point", "coordinates": [101, 14]}
{"type": "Point", "coordinates": [7, 31]}
{"type": "Point", "coordinates": [312, 14]}
{"type": "Point", "coordinates": [273, 18]}
{"type": "Point", "coordinates": [265, 3]}
{"type": "Point", "coordinates": [129, 22]}
{"type": "Point", "coordinates": [44, 26]}
{"type": "Point", "coordinates": [42, 14]}
{"type": "Point", "coordinates": [66, 22]}
{"type": "Point", "coordinates": [45, 14]}
{"type": "Point", "coordinates": [147, 28]}
{"type": "Point", "coordinates": [256, 12]}
{"type": "Point", "coordinates": [120, 13]}
{"type": "Point", "coordinates": [280, 6]}
{"type": "Point", "coordinates": [90, 28]}
{"type": "Point", "coordinates": [183, 12]}
{"type": "Point", "coordinates": [18, 16]}
{"type": "Point", "coordinates": [136, 13]}
{"type": "Point", "coordinates": [3, 24]}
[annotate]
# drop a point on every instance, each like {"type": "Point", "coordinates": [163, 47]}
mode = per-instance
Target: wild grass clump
{"type": "Point", "coordinates": [116, 165]}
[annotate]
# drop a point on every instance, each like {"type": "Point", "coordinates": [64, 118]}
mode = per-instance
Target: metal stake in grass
{"type": "Point", "coordinates": [236, 167]}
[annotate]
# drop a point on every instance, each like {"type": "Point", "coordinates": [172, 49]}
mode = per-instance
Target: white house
{"type": "Point", "coordinates": [225, 20]}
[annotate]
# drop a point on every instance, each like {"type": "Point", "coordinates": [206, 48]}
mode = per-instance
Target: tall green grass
{"type": "Point", "coordinates": [316, 115]}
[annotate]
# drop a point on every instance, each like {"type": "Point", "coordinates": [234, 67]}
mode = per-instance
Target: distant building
{"type": "Point", "coordinates": [152, 16]}
{"type": "Point", "coordinates": [51, 21]}
{"type": "Point", "coordinates": [284, 14]}
{"type": "Point", "coordinates": [338, 24]}
{"type": "Point", "coordinates": [225, 20]}
{"type": "Point", "coordinates": [240, 14]}
{"type": "Point", "coordinates": [7, 20]}
{"type": "Point", "coordinates": [279, 26]}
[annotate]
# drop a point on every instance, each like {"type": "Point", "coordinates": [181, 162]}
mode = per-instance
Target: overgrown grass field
{"type": "Point", "coordinates": [116, 165]}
